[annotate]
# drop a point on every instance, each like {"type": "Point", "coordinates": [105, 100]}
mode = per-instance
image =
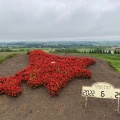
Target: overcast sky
{"type": "Point", "coordinates": [55, 19]}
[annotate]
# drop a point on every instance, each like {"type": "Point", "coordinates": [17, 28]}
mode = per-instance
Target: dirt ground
{"type": "Point", "coordinates": [69, 105]}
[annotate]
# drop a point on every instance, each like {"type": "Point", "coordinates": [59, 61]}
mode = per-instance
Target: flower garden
{"type": "Point", "coordinates": [51, 71]}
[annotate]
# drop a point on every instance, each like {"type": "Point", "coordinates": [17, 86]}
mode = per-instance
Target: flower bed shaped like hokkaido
{"type": "Point", "coordinates": [51, 71]}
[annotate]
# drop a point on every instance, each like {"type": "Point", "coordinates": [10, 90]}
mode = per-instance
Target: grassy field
{"type": "Point", "coordinates": [6, 55]}
{"type": "Point", "coordinates": [113, 60]}
{"type": "Point", "coordinates": [24, 50]}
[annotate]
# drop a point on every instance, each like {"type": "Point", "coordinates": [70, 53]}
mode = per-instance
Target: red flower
{"type": "Point", "coordinates": [54, 72]}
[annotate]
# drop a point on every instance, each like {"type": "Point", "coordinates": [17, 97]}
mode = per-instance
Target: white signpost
{"type": "Point", "coordinates": [101, 90]}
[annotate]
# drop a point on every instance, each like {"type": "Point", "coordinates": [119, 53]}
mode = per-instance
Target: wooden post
{"type": "Point", "coordinates": [118, 106]}
{"type": "Point", "coordinates": [85, 102]}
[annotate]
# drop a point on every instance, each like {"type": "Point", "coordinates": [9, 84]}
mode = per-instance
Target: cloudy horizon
{"type": "Point", "coordinates": [22, 20]}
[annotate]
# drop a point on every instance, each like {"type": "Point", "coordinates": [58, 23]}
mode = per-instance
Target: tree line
{"type": "Point", "coordinates": [5, 50]}
{"type": "Point", "coordinates": [97, 50]}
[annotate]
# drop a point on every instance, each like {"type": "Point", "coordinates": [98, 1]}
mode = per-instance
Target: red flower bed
{"type": "Point", "coordinates": [54, 72]}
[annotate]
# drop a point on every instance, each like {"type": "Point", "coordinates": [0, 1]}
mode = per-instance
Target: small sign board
{"type": "Point", "coordinates": [101, 90]}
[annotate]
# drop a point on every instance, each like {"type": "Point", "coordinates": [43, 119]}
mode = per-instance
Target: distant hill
{"type": "Point", "coordinates": [59, 44]}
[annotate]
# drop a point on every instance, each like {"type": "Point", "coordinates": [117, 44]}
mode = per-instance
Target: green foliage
{"type": "Point", "coordinates": [116, 52]}
{"type": "Point", "coordinates": [1, 60]}
{"type": "Point", "coordinates": [6, 57]}
{"type": "Point", "coordinates": [5, 50]}
{"type": "Point", "coordinates": [10, 56]}
{"type": "Point", "coordinates": [67, 50]}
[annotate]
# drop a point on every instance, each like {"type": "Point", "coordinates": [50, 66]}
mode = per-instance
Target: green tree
{"type": "Point", "coordinates": [115, 51]}
{"type": "Point", "coordinates": [109, 52]}
{"type": "Point", "coordinates": [103, 51]}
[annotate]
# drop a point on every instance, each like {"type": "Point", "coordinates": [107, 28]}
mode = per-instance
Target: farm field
{"type": "Point", "coordinates": [24, 50]}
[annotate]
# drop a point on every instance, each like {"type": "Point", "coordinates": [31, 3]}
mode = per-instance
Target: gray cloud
{"type": "Point", "coordinates": [35, 19]}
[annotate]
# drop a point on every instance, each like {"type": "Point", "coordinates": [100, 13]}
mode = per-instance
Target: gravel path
{"type": "Point", "coordinates": [69, 105]}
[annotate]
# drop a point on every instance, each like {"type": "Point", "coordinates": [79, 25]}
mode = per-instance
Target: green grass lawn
{"type": "Point", "coordinates": [113, 60]}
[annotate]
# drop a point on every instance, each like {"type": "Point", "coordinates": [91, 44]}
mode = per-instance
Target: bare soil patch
{"type": "Point", "coordinates": [69, 105]}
